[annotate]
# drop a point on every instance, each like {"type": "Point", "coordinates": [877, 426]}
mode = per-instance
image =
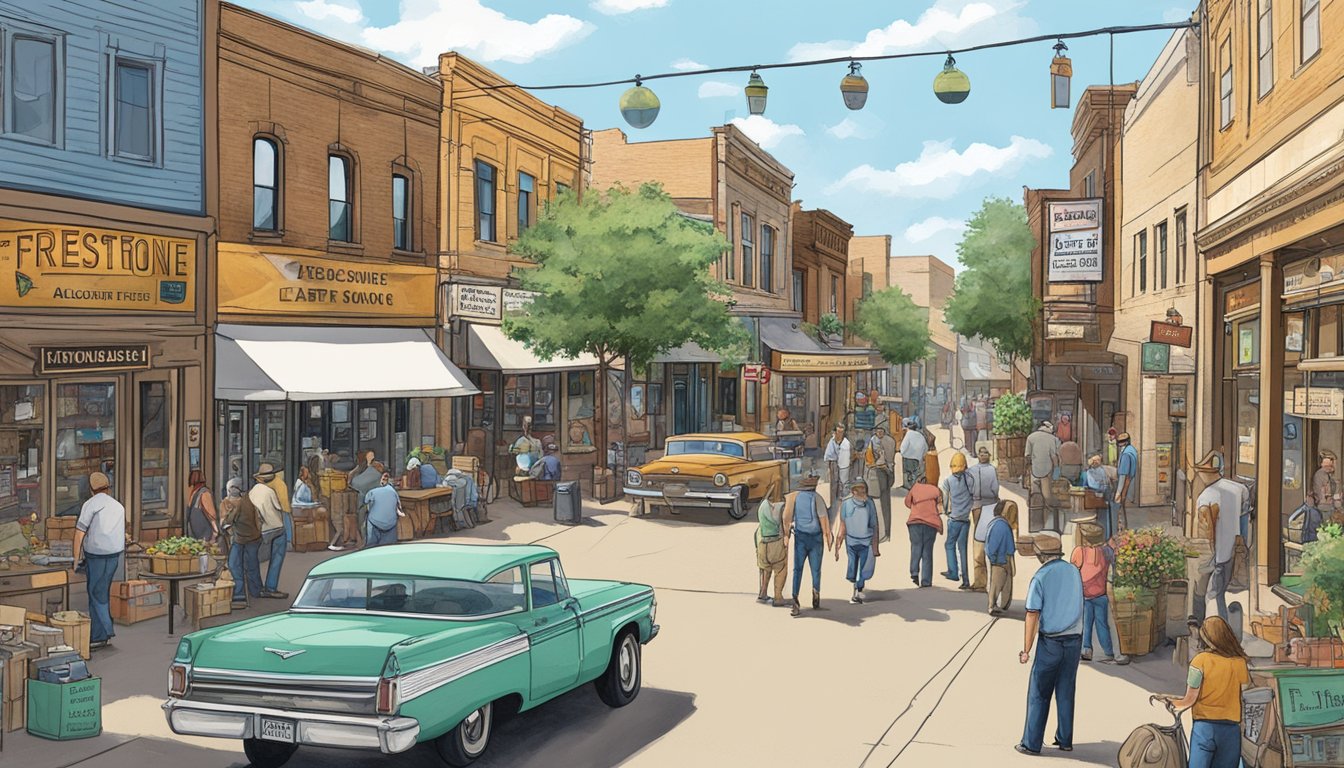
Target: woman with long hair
{"type": "Point", "coordinates": [202, 519]}
{"type": "Point", "coordinates": [1213, 688]}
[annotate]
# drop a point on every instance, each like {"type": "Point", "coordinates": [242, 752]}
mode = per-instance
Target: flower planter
{"type": "Point", "coordinates": [173, 565]}
{"type": "Point", "coordinates": [1140, 619]}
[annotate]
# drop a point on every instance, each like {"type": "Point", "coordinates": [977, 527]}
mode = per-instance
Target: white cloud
{"type": "Point", "coordinates": [849, 128]}
{"type": "Point", "coordinates": [617, 7]}
{"type": "Point", "coordinates": [321, 10]}
{"type": "Point", "coordinates": [430, 27]}
{"type": "Point", "coordinates": [717, 89]}
{"type": "Point", "coordinates": [934, 225]}
{"type": "Point", "coordinates": [687, 65]}
{"type": "Point", "coordinates": [940, 170]}
{"type": "Point", "coordinates": [1173, 15]}
{"type": "Point", "coordinates": [765, 131]}
{"type": "Point", "coordinates": [946, 24]}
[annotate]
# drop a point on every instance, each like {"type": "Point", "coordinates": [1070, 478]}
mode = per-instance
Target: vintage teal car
{"type": "Point", "coordinates": [389, 647]}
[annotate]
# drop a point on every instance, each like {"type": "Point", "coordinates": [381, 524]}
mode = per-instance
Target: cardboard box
{"type": "Point", "coordinates": [133, 610]}
{"type": "Point", "coordinates": [135, 587]}
{"type": "Point", "coordinates": [12, 615]}
{"type": "Point", "coordinates": [311, 536]}
{"type": "Point", "coordinates": [14, 710]}
{"type": "Point", "coordinates": [76, 627]}
{"type": "Point", "coordinates": [44, 636]}
{"type": "Point", "coordinates": [57, 523]}
{"type": "Point", "coordinates": [203, 601]}
{"type": "Point", "coordinates": [405, 528]}
{"type": "Point", "coordinates": [65, 711]}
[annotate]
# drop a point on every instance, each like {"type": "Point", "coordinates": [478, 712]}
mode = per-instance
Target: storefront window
{"type": "Point", "coordinates": [1327, 335]}
{"type": "Point", "coordinates": [86, 441]}
{"type": "Point", "coordinates": [1248, 343]}
{"type": "Point", "coordinates": [268, 437]}
{"type": "Point", "coordinates": [530, 396]}
{"type": "Point", "coordinates": [154, 481]}
{"type": "Point", "coordinates": [1248, 425]}
{"type": "Point", "coordinates": [1296, 462]}
{"type": "Point", "coordinates": [727, 405]}
{"type": "Point", "coordinates": [579, 409]}
{"type": "Point", "coordinates": [21, 451]}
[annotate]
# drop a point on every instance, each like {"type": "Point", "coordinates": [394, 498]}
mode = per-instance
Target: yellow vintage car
{"type": "Point", "coordinates": [729, 471]}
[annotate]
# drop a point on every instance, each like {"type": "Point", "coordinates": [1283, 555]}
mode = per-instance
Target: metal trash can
{"type": "Point", "coordinates": [568, 503]}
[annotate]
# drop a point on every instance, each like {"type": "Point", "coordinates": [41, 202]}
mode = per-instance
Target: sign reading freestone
{"type": "Point", "coordinates": [1074, 229]}
{"type": "Point", "coordinates": [114, 357]}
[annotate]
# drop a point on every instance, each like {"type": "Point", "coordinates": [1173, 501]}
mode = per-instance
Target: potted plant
{"type": "Point", "coordinates": [1323, 577]}
{"type": "Point", "coordinates": [1146, 560]}
{"type": "Point", "coordinates": [1012, 423]}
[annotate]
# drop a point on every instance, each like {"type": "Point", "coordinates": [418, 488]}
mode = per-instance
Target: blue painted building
{"type": "Point", "coordinates": [107, 214]}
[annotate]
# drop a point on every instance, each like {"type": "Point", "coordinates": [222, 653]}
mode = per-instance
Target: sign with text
{"type": "Point", "coordinates": [478, 301]}
{"type": "Point", "coordinates": [516, 300]}
{"type": "Point", "coordinates": [287, 281]}
{"type": "Point", "coordinates": [111, 357]}
{"type": "Point", "coordinates": [1074, 229]}
{"type": "Point", "coordinates": [784, 362]}
{"type": "Point", "coordinates": [1059, 331]}
{"type": "Point", "coordinates": [1309, 698]}
{"type": "Point", "coordinates": [1168, 333]}
{"type": "Point", "coordinates": [1318, 403]}
{"type": "Point", "coordinates": [70, 267]}
{"type": "Point", "coordinates": [757, 373]}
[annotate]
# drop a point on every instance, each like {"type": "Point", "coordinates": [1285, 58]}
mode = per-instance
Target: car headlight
{"type": "Point", "coordinates": [633, 478]}
{"type": "Point", "coordinates": [720, 479]}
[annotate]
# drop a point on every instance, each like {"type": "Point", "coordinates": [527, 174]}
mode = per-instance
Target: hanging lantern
{"type": "Point", "coordinates": [639, 105]}
{"type": "Point", "coordinates": [951, 86]}
{"type": "Point", "coordinates": [1061, 69]}
{"type": "Point", "coordinates": [853, 88]}
{"type": "Point", "coordinates": [756, 91]}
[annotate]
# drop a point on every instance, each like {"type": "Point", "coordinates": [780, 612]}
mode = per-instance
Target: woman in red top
{"type": "Point", "coordinates": [1094, 559]}
{"type": "Point", "coordinates": [924, 525]}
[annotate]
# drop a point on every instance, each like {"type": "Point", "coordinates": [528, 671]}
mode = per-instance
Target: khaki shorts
{"type": "Point", "coordinates": [771, 555]}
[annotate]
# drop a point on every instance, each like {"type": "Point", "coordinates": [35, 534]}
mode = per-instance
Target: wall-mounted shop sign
{"type": "Point", "coordinates": [784, 362]}
{"type": "Point", "coordinates": [1312, 273]}
{"type": "Point", "coordinates": [1156, 358]}
{"type": "Point", "coordinates": [1075, 241]}
{"type": "Point", "coordinates": [1064, 331]}
{"type": "Point", "coordinates": [50, 265]}
{"type": "Point", "coordinates": [477, 301]}
{"type": "Point", "coordinates": [1316, 403]}
{"type": "Point", "coordinates": [1168, 333]}
{"type": "Point", "coordinates": [110, 357]}
{"type": "Point", "coordinates": [516, 300]}
{"type": "Point", "coordinates": [288, 281]}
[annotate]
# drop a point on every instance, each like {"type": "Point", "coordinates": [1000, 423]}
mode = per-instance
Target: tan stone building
{"type": "Point", "coordinates": [930, 282]}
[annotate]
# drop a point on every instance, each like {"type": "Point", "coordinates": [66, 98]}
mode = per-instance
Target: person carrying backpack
{"type": "Point", "coordinates": [1094, 560]}
{"type": "Point", "coordinates": [804, 513]}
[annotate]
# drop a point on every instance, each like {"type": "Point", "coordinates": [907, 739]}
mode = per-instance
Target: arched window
{"type": "Point", "coordinates": [339, 196]}
{"type": "Point", "coordinates": [401, 212]}
{"type": "Point", "coordinates": [265, 184]}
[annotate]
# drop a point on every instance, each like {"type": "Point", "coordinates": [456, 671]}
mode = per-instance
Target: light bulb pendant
{"type": "Point", "coordinates": [853, 87]}
{"type": "Point", "coordinates": [756, 91]}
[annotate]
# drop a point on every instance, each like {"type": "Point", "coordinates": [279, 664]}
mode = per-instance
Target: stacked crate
{"type": "Point", "coordinates": [204, 601]}
{"type": "Point", "coordinates": [136, 601]}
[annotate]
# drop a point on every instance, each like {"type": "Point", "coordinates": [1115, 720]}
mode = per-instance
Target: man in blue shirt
{"type": "Point", "coordinates": [550, 464]}
{"type": "Point", "coordinates": [1127, 471]}
{"type": "Point", "coordinates": [1055, 621]}
{"type": "Point", "coordinates": [858, 529]}
{"type": "Point", "coordinates": [1000, 546]}
{"type": "Point", "coordinates": [384, 509]}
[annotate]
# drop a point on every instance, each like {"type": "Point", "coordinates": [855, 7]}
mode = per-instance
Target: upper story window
{"type": "Point", "coordinates": [32, 104]}
{"type": "Point", "coordinates": [799, 290]}
{"type": "Point", "coordinates": [1182, 264]}
{"type": "Point", "coordinates": [1141, 246]}
{"type": "Point", "coordinates": [485, 202]}
{"type": "Point", "coordinates": [1225, 83]}
{"type": "Point", "coordinates": [835, 295]}
{"type": "Point", "coordinates": [265, 184]}
{"type": "Point", "coordinates": [730, 273]}
{"type": "Point", "coordinates": [527, 201]}
{"type": "Point", "coordinates": [767, 259]}
{"type": "Point", "coordinates": [134, 118]}
{"type": "Point", "coordinates": [1090, 184]}
{"type": "Point", "coordinates": [748, 248]}
{"type": "Point", "coordinates": [1264, 35]}
{"type": "Point", "coordinates": [339, 194]}
{"type": "Point", "coordinates": [401, 212]}
{"type": "Point", "coordinates": [1160, 249]}
{"type": "Point", "coordinates": [1311, 28]}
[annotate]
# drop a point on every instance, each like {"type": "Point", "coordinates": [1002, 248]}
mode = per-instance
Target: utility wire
{"type": "Point", "coordinates": [1122, 30]}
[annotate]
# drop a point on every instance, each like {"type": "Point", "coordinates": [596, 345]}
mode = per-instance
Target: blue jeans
{"type": "Point", "coordinates": [376, 537]}
{"type": "Point", "coordinates": [1098, 610]}
{"type": "Point", "coordinates": [1108, 518]}
{"type": "Point", "coordinates": [277, 541]}
{"type": "Point", "coordinates": [921, 552]}
{"type": "Point", "coordinates": [101, 569]}
{"type": "Point", "coordinates": [1053, 673]}
{"type": "Point", "coordinates": [1215, 744]}
{"type": "Point", "coordinates": [956, 542]}
{"type": "Point", "coordinates": [806, 546]}
{"type": "Point", "coordinates": [245, 565]}
{"type": "Point", "coordinates": [858, 557]}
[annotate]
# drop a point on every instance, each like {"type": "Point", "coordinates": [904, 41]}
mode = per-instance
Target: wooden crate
{"type": "Point", "coordinates": [1135, 634]}
{"type": "Point", "coordinates": [13, 713]}
{"type": "Point", "coordinates": [75, 627]}
{"type": "Point", "coordinates": [203, 601]}
{"type": "Point", "coordinates": [311, 536]}
{"type": "Point", "coordinates": [173, 565]}
{"type": "Point", "coordinates": [331, 481]}
{"type": "Point", "coordinates": [343, 502]}
{"type": "Point", "coordinates": [1321, 652]}
{"type": "Point", "coordinates": [14, 660]}
{"type": "Point", "coordinates": [133, 610]}
{"type": "Point", "coordinates": [405, 528]}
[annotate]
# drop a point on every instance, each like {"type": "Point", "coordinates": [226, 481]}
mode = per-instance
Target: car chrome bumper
{"type": "Point", "coordinates": [726, 498]}
{"type": "Point", "coordinates": [389, 735]}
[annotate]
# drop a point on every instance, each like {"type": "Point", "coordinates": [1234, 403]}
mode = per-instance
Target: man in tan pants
{"type": "Point", "coordinates": [1000, 548]}
{"type": "Point", "coordinates": [985, 489]}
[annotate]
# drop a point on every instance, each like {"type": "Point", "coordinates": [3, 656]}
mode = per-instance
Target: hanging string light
{"type": "Point", "coordinates": [756, 92]}
{"type": "Point", "coordinates": [951, 86]}
{"type": "Point", "coordinates": [1061, 70]}
{"type": "Point", "coordinates": [639, 105]}
{"type": "Point", "coordinates": [853, 87]}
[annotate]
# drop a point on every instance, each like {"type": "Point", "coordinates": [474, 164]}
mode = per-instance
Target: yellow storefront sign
{"type": "Point", "coordinates": [785, 362]}
{"type": "Point", "coordinates": [287, 281]}
{"type": "Point", "coordinates": [69, 267]}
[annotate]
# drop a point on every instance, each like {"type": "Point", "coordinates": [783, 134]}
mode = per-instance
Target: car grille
{"type": "Point", "coordinates": [656, 482]}
{"type": "Point", "coordinates": [342, 695]}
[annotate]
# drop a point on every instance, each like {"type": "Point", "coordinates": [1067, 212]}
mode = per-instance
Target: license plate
{"type": "Point", "coordinates": [277, 730]}
{"type": "Point", "coordinates": [675, 490]}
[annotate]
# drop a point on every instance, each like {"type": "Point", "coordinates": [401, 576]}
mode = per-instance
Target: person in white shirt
{"type": "Point", "coordinates": [273, 540]}
{"type": "Point", "coordinates": [913, 450]}
{"type": "Point", "coordinates": [100, 539]}
{"type": "Point", "coordinates": [838, 455]}
{"type": "Point", "coordinates": [1219, 508]}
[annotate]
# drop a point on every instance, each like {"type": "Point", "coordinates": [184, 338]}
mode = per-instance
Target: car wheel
{"type": "Point", "coordinates": [267, 754]}
{"type": "Point", "coordinates": [620, 684]}
{"type": "Point", "coordinates": [467, 741]}
{"type": "Point", "coordinates": [739, 510]}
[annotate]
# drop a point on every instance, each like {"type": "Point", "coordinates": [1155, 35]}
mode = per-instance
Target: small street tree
{"type": "Point", "coordinates": [895, 325]}
{"type": "Point", "coordinates": [621, 275]}
{"type": "Point", "coordinates": [993, 298]}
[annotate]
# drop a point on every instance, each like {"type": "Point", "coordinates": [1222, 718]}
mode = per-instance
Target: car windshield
{"type": "Point", "coordinates": [452, 598]}
{"type": "Point", "coordinates": [717, 447]}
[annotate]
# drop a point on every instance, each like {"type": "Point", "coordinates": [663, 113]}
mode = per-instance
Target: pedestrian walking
{"type": "Point", "coordinates": [1213, 687]}
{"type": "Point", "coordinates": [1042, 453]}
{"type": "Point", "coordinates": [982, 417]}
{"type": "Point", "coordinates": [384, 508]}
{"type": "Point", "coordinates": [969, 432]}
{"type": "Point", "coordinates": [858, 529]}
{"type": "Point", "coordinates": [273, 541]}
{"type": "Point", "coordinates": [202, 517]}
{"type": "Point", "coordinates": [958, 498]}
{"type": "Point", "coordinates": [1324, 487]}
{"type": "Point", "coordinates": [802, 519]}
{"type": "Point", "coordinates": [1094, 561]}
{"type": "Point", "coordinates": [924, 524]}
{"type": "Point", "coordinates": [242, 524]}
{"type": "Point", "coordinates": [1055, 626]}
{"type": "Point", "coordinates": [772, 549]}
{"type": "Point", "coordinates": [1127, 487]}
{"type": "Point", "coordinates": [1219, 509]}
{"type": "Point", "coordinates": [881, 473]}
{"type": "Point", "coordinates": [913, 449]}
{"type": "Point", "coordinates": [1000, 546]}
{"type": "Point", "coordinates": [838, 456]}
{"type": "Point", "coordinates": [100, 539]}
{"type": "Point", "coordinates": [1112, 449]}
{"type": "Point", "coordinates": [985, 485]}
{"type": "Point", "coordinates": [277, 484]}
{"type": "Point", "coordinates": [865, 415]}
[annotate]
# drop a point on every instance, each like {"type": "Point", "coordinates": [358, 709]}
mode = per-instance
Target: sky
{"type": "Point", "coordinates": [905, 165]}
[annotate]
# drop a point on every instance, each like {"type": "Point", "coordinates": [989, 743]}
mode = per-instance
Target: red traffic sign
{"type": "Point", "coordinates": [757, 373]}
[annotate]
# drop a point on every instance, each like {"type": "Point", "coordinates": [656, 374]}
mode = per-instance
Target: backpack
{"type": "Point", "coordinates": [1153, 746]}
{"type": "Point", "coordinates": [246, 521]}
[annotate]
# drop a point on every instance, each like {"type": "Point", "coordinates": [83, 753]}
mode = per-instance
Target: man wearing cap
{"type": "Point", "coordinates": [913, 450]}
{"type": "Point", "coordinates": [272, 516]}
{"type": "Point", "coordinates": [1219, 509]}
{"type": "Point", "coordinates": [100, 538]}
{"type": "Point", "coordinates": [550, 464]}
{"type": "Point", "coordinates": [804, 520]}
{"type": "Point", "coordinates": [1042, 451]}
{"type": "Point", "coordinates": [881, 472]}
{"type": "Point", "coordinates": [858, 529]}
{"type": "Point", "coordinates": [1055, 625]}
{"type": "Point", "coordinates": [985, 485]}
{"type": "Point", "coordinates": [1127, 475]}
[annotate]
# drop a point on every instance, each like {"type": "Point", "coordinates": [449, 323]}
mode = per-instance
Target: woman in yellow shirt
{"type": "Point", "coordinates": [1213, 688]}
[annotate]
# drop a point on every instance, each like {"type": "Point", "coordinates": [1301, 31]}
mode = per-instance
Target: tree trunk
{"type": "Point", "coordinates": [600, 410]}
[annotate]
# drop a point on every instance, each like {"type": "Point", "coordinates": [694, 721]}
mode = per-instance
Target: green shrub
{"type": "Point", "coordinates": [1323, 575]}
{"type": "Point", "coordinates": [1012, 416]}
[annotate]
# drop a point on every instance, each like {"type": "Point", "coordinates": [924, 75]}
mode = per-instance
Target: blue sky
{"type": "Point", "coordinates": [905, 165]}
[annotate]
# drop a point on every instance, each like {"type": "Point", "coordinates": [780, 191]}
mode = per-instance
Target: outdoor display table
{"type": "Point", "coordinates": [425, 507]}
{"type": "Point", "coordinates": [27, 581]}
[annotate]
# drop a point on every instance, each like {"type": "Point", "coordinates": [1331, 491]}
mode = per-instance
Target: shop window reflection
{"type": "Point", "coordinates": [86, 441]}
{"type": "Point", "coordinates": [154, 476]}
{"type": "Point", "coordinates": [21, 416]}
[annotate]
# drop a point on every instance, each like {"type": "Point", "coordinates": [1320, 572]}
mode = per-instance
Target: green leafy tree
{"type": "Point", "coordinates": [891, 321]}
{"type": "Point", "coordinates": [993, 298]}
{"type": "Point", "coordinates": [621, 275]}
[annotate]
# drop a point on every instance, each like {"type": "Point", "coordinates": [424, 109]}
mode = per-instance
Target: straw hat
{"type": "Point", "coordinates": [265, 472]}
{"type": "Point", "coordinates": [1047, 544]}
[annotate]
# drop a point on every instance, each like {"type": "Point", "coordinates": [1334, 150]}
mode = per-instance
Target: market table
{"type": "Point", "coordinates": [425, 507]}
{"type": "Point", "coordinates": [27, 579]}
{"type": "Point", "coordinates": [174, 583]}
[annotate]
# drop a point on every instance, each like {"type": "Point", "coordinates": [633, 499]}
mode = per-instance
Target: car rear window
{"type": "Point", "coordinates": [453, 598]}
{"type": "Point", "coordinates": [719, 447]}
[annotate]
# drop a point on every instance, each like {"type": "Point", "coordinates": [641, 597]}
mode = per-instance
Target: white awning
{"type": "Point", "coordinates": [488, 348]}
{"type": "Point", "coordinates": [301, 363]}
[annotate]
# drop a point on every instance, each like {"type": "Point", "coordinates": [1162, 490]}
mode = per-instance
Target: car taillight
{"type": "Point", "coordinates": [179, 678]}
{"type": "Point", "coordinates": [387, 696]}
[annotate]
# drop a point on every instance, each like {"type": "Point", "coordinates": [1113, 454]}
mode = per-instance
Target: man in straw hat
{"type": "Point", "coordinates": [805, 519]}
{"type": "Point", "coordinates": [1219, 509]}
{"type": "Point", "coordinates": [100, 538]}
{"type": "Point", "coordinates": [272, 517]}
{"type": "Point", "coordinates": [1055, 625]}
{"type": "Point", "coordinates": [1094, 560]}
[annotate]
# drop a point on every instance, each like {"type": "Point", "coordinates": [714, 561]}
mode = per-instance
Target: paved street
{"type": "Point", "coordinates": [897, 681]}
